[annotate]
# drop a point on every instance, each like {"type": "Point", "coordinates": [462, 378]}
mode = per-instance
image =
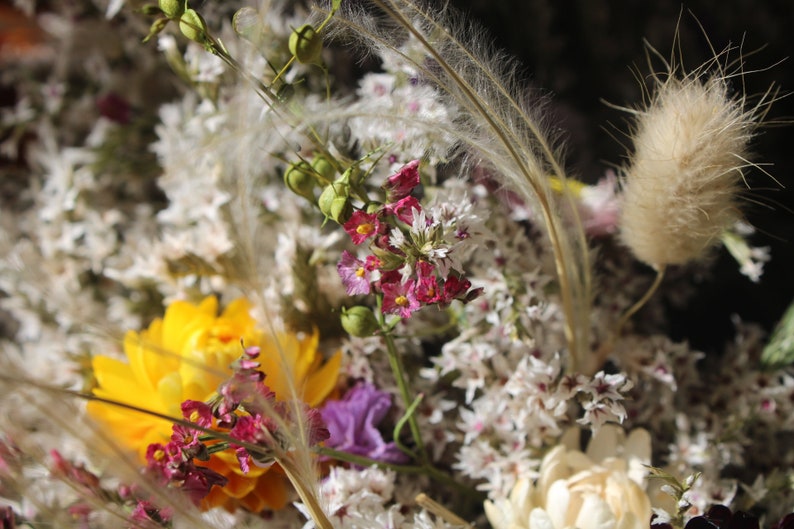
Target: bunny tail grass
{"type": "Point", "coordinates": [682, 186]}
{"type": "Point", "coordinates": [498, 130]}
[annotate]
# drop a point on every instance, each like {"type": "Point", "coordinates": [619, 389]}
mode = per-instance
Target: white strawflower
{"type": "Point", "coordinates": [680, 190]}
{"type": "Point", "coordinates": [602, 488]}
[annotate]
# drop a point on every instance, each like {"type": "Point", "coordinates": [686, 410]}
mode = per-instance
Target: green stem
{"type": "Point", "coordinates": [398, 369]}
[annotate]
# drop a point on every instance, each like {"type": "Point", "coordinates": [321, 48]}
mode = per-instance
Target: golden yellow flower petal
{"type": "Point", "coordinates": [321, 383]}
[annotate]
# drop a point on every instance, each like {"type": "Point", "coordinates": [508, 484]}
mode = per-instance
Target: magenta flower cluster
{"type": "Point", "coordinates": [174, 464]}
{"type": "Point", "coordinates": [407, 275]}
{"type": "Point", "coordinates": [248, 412]}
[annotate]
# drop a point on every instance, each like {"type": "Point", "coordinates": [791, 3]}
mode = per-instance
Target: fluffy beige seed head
{"type": "Point", "coordinates": [680, 190]}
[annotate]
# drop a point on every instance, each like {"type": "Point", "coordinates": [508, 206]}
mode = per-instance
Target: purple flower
{"type": "Point", "coordinates": [354, 274]}
{"type": "Point", "coordinates": [352, 423]}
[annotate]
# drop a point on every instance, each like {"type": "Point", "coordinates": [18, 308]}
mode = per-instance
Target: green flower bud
{"type": "Point", "coordinates": [323, 167]}
{"type": "Point", "coordinates": [300, 179]}
{"type": "Point", "coordinates": [305, 44]}
{"type": "Point", "coordinates": [172, 8]}
{"type": "Point", "coordinates": [157, 26]}
{"type": "Point", "coordinates": [779, 352]}
{"type": "Point", "coordinates": [389, 260]}
{"type": "Point", "coordinates": [192, 25]}
{"type": "Point", "coordinates": [359, 321]}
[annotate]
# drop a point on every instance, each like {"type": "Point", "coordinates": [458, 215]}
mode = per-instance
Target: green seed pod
{"type": "Point", "coordinates": [192, 25]}
{"type": "Point", "coordinates": [323, 167]}
{"type": "Point", "coordinates": [334, 201]}
{"type": "Point", "coordinates": [359, 321]}
{"type": "Point", "coordinates": [300, 179]}
{"type": "Point", "coordinates": [305, 44]}
{"type": "Point", "coordinates": [172, 8]}
{"type": "Point", "coordinates": [341, 209]}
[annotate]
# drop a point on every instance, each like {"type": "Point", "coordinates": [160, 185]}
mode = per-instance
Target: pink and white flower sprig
{"type": "Point", "coordinates": [409, 264]}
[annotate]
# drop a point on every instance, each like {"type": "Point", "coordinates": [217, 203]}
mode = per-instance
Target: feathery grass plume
{"type": "Point", "coordinates": [691, 146]}
{"type": "Point", "coordinates": [494, 126]}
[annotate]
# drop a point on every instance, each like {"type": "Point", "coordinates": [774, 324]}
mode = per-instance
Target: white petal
{"type": "Point", "coordinates": [605, 442]}
{"type": "Point", "coordinates": [638, 445]}
{"type": "Point", "coordinates": [539, 519]}
{"type": "Point", "coordinates": [499, 515]}
{"type": "Point", "coordinates": [595, 514]}
{"type": "Point", "coordinates": [638, 453]}
{"type": "Point", "coordinates": [553, 468]}
{"type": "Point", "coordinates": [521, 499]}
{"type": "Point", "coordinates": [570, 439]}
{"type": "Point", "coordinates": [558, 501]}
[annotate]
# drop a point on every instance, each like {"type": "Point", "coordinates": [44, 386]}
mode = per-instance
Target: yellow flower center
{"type": "Point", "coordinates": [401, 301]}
{"type": "Point", "coordinates": [365, 228]}
{"type": "Point", "coordinates": [186, 355]}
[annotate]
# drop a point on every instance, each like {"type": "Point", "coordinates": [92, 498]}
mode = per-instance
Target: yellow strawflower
{"type": "Point", "coordinates": [186, 355]}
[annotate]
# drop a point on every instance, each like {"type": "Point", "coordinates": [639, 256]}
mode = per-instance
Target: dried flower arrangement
{"type": "Point", "coordinates": [242, 290]}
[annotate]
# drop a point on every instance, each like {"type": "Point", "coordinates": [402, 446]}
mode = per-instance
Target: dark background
{"type": "Point", "coordinates": [588, 51]}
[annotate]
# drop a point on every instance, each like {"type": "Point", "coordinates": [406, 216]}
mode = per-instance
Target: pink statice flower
{"type": "Point", "coordinates": [400, 184]}
{"type": "Point", "coordinates": [174, 467]}
{"type": "Point", "coordinates": [362, 225]}
{"type": "Point", "coordinates": [355, 274]}
{"type": "Point", "coordinates": [353, 424]}
{"type": "Point", "coordinates": [403, 209]}
{"type": "Point", "coordinates": [197, 412]}
{"type": "Point", "coordinates": [7, 517]}
{"type": "Point", "coordinates": [458, 288]}
{"type": "Point", "coordinates": [254, 429]}
{"type": "Point", "coordinates": [427, 290]}
{"type": "Point", "coordinates": [399, 297]}
{"type": "Point", "coordinates": [147, 514]}
{"type": "Point", "coordinates": [74, 473]}
{"type": "Point", "coordinates": [600, 206]}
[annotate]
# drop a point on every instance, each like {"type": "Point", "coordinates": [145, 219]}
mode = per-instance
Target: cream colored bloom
{"type": "Point", "coordinates": [602, 488]}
